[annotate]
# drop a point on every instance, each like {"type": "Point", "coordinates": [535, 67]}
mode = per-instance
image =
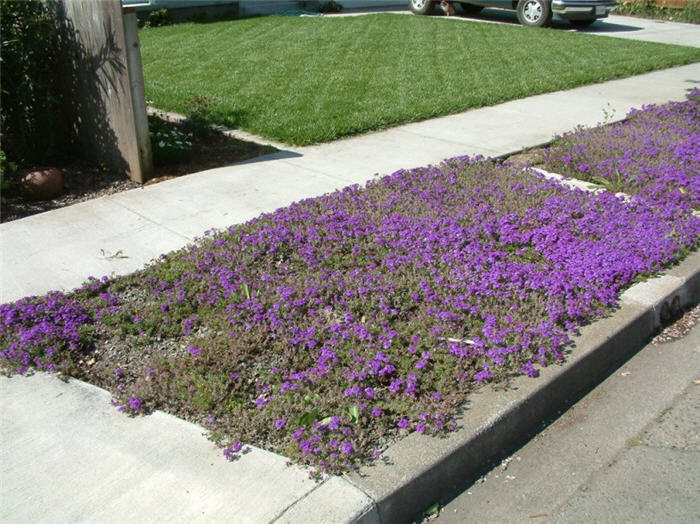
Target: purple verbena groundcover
{"type": "Point", "coordinates": [325, 328]}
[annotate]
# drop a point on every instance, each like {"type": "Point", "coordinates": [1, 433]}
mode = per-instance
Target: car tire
{"type": "Point", "coordinates": [421, 7]}
{"type": "Point", "coordinates": [534, 13]}
{"type": "Point", "coordinates": [582, 23]}
{"type": "Point", "coordinates": [470, 9]}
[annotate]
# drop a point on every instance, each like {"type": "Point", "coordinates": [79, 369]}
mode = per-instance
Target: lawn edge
{"type": "Point", "coordinates": [421, 471]}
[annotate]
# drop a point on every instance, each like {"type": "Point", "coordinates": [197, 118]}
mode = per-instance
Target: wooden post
{"type": "Point", "coordinates": [138, 93]}
{"type": "Point", "coordinates": [105, 83]}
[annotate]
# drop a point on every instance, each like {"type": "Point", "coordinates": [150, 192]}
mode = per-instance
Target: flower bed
{"type": "Point", "coordinates": [654, 154]}
{"type": "Point", "coordinates": [322, 329]}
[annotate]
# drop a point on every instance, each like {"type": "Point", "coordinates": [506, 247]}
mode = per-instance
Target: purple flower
{"type": "Point", "coordinates": [530, 370]}
{"type": "Point", "coordinates": [347, 448]}
{"type": "Point", "coordinates": [488, 266]}
{"type": "Point", "coordinates": [352, 391]}
{"type": "Point", "coordinates": [135, 404]}
{"type": "Point", "coordinates": [232, 452]}
{"type": "Point", "coordinates": [229, 454]}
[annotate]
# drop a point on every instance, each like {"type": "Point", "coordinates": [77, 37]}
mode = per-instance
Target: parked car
{"type": "Point", "coordinates": [536, 13]}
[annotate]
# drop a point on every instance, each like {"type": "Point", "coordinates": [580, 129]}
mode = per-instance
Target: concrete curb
{"type": "Point", "coordinates": [259, 487]}
{"type": "Point", "coordinates": [422, 470]}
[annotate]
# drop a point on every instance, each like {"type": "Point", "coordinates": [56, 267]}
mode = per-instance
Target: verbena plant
{"type": "Point", "coordinates": [654, 154]}
{"type": "Point", "coordinates": [323, 329]}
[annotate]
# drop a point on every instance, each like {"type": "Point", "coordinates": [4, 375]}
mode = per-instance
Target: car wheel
{"type": "Point", "coordinates": [470, 9]}
{"type": "Point", "coordinates": [421, 7]}
{"type": "Point", "coordinates": [534, 13]}
{"type": "Point", "coordinates": [582, 23]}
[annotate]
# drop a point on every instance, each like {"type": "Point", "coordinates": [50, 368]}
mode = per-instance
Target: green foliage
{"type": "Point", "coordinates": [5, 166]}
{"type": "Point", "coordinates": [330, 7]}
{"type": "Point", "coordinates": [615, 184]}
{"type": "Point", "coordinates": [199, 115]}
{"type": "Point", "coordinates": [169, 144]}
{"type": "Point", "coordinates": [689, 13]}
{"type": "Point", "coordinates": [159, 18]}
{"type": "Point", "coordinates": [30, 79]}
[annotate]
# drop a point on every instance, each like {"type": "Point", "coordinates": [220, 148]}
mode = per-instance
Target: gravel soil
{"type": "Point", "coordinates": [679, 327]}
{"type": "Point", "coordinates": [83, 182]}
{"type": "Point", "coordinates": [527, 158]}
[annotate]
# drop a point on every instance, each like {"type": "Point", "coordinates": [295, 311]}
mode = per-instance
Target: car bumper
{"type": "Point", "coordinates": [581, 10]}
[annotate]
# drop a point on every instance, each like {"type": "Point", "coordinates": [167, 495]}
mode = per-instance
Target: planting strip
{"type": "Point", "coordinates": [575, 183]}
{"type": "Point", "coordinates": [238, 134]}
{"type": "Point", "coordinates": [420, 471]}
{"type": "Point", "coordinates": [581, 184]}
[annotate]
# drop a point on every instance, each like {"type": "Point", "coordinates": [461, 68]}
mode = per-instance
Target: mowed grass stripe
{"type": "Point", "coordinates": [307, 80]}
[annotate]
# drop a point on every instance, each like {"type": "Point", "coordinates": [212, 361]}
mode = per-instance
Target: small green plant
{"type": "Point", "coordinates": [615, 184]}
{"type": "Point", "coordinates": [633, 443]}
{"type": "Point", "coordinates": [159, 18]}
{"type": "Point", "coordinates": [168, 143]}
{"type": "Point", "coordinates": [199, 115]}
{"type": "Point", "coordinates": [5, 166]}
{"type": "Point", "coordinates": [608, 113]}
{"type": "Point", "coordinates": [330, 7]}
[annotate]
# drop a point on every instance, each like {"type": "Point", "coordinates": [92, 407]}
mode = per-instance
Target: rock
{"type": "Point", "coordinates": [159, 179]}
{"type": "Point", "coordinates": [42, 183]}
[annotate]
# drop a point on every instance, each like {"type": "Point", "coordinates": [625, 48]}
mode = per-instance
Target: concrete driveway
{"type": "Point", "coordinates": [617, 26]}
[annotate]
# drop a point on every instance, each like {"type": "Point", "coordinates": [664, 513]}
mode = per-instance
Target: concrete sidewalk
{"type": "Point", "coordinates": [633, 28]}
{"type": "Point", "coordinates": [68, 456]}
{"type": "Point", "coordinates": [60, 249]}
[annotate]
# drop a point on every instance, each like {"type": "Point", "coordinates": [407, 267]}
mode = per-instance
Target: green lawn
{"type": "Point", "coordinates": [307, 80]}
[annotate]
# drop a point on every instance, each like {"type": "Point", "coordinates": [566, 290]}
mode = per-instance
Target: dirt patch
{"type": "Point", "coordinates": [80, 183]}
{"type": "Point", "coordinates": [83, 182]}
{"type": "Point", "coordinates": [529, 157]}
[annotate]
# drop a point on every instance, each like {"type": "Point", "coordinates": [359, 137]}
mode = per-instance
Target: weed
{"type": "Point", "coordinates": [168, 143]}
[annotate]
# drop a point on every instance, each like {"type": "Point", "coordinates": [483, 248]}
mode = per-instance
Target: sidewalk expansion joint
{"type": "Point", "coordinates": [150, 220]}
{"type": "Point", "coordinates": [281, 513]}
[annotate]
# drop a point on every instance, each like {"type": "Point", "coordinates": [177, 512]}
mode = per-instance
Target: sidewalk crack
{"type": "Point", "coordinates": [297, 501]}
